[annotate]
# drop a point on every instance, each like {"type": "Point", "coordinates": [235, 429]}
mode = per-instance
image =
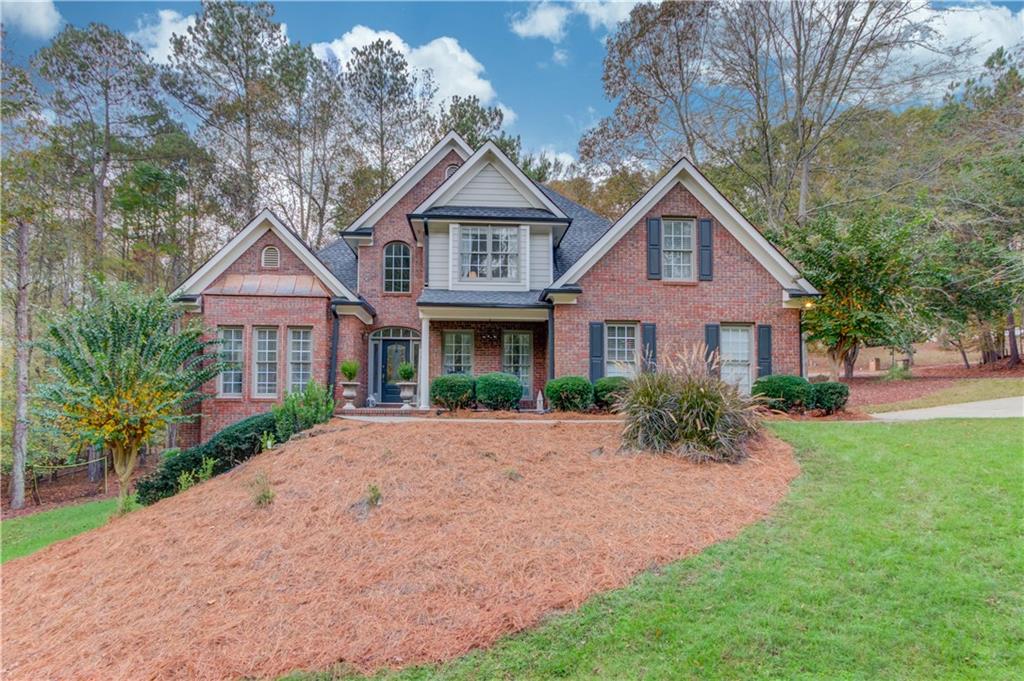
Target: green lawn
{"type": "Point", "coordinates": [896, 556]}
{"type": "Point", "coordinates": [967, 390]}
{"type": "Point", "coordinates": [24, 535]}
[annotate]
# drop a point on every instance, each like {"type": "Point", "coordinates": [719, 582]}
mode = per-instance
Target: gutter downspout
{"type": "Point", "coordinates": [332, 368]}
{"type": "Point", "coordinates": [551, 342]}
{"type": "Point", "coordinates": [800, 343]}
{"type": "Point", "coordinates": [426, 253]}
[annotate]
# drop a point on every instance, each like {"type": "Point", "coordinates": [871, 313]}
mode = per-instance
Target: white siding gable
{"type": "Point", "coordinates": [540, 258]}
{"type": "Point", "coordinates": [438, 247]}
{"type": "Point", "coordinates": [489, 187]}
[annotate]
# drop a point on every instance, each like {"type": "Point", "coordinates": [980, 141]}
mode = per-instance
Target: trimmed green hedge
{"type": "Point", "coordinates": [830, 396]}
{"type": "Point", "coordinates": [454, 391]}
{"type": "Point", "coordinates": [228, 448]}
{"type": "Point", "coordinates": [499, 391]}
{"type": "Point", "coordinates": [784, 392]}
{"type": "Point", "coordinates": [608, 390]}
{"type": "Point", "coordinates": [569, 393]}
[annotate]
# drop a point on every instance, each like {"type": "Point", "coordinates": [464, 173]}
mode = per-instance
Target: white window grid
{"type": "Point", "coordinates": [231, 355]}
{"type": "Point", "coordinates": [300, 358]}
{"type": "Point", "coordinates": [397, 268]}
{"type": "Point", "coordinates": [677, 249]}
{"type": "Point", "coordinates": [620, 350]}
{"type": "Point", "coordinates": [265, 352]}
{"type": "Point", "coordinates": [517, 358]}
{"type": "Point", "coordinates": [490, 253]}
{"type": "Point", "coordinates": [458, 352]}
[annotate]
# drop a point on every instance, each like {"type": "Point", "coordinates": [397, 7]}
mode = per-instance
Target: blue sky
{"type": "Point", "coordinates": [540, 61]}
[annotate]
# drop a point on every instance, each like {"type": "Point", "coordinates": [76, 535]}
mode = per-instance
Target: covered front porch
{"type": "Point", "coordinates": [476, 340]}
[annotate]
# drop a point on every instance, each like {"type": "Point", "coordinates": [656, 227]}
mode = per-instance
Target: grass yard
{"type": "Point", "coordinates": [27, 534]}
{"type": "Point", "coordinates": [966, 390]}
{"type": "Point", "coordinates": [897, 555]}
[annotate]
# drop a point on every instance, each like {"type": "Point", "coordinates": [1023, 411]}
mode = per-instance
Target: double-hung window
{"type": "Point", "coordinates": [397, 268]}
{"type": "Point", "coordinates": [620, 350]}
{"type": "Point", "coordinates": [677, 249]}
{"type": "Point", "coordinates": [458, 352]}
{"type": "Point", "coordinates": [300, 358]}
{"type": "Point", "coordinates": [265, 361]}
{"type": "Point", "coordinates": [231, 355]}
{"type": "Point", "coordinates": [517, 358]}
{"type": "Point", "coordinates": [489, 253]}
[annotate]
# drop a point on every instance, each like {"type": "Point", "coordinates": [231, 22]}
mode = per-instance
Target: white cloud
{"type": "Point", "coordinates": [154, 32]}
{"type": "Point", "coordinates": [456, 71]}
{"type": "Point", "coordinates": [604, 14]}
{"type": "Point", "coordinates": [560, 56]}
{"type": "Point", "coordinates": [38, 19]}
{"type": "Point", "coordinates": [543, 20]}
{"type": "Point", "coordinates": [509, 117]}
{"type": "Point", "coordinates": [565, 157]}
{"type": "Point", "coordinates": [990, 26]}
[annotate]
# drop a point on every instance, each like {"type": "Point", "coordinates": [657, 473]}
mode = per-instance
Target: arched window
{"type": "Point", "coordinates": [450, 170]}
{"type": "Point", "coordinates": [397, 268]}
{"type": "Point", "coordinates": [271, 257]}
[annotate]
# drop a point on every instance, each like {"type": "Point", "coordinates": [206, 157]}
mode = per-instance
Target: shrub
{"type": "Point", "coordinates": [897, 372]}
{"type": "Point", "coordinates": [406, 370]}
{"type": "Point", "coordinates": [569, 393]}
{"type": "Point", "coordinates": [608, 390]}
{"type": "Point", "coordinates": [783, 392]}
{"type": "Point", "coordinates": [454, 391]}
{"type": "Point", "coordinates": [684, 409]}
{"type": "Point", "coordinates": [228, 448]}
{"type": "Point", "coordinates": [302, 410]}
{"type": "Point", "coordinates": [350, 369]}
{"type": "Point", "coordinates": [830, 396]}
{"type": "Point", "coordinates": [499, 391]}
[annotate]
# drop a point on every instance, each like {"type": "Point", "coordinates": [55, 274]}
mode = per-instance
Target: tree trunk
{"type": "Point", "coordinates": [94, 456]}
{"type": "Point", "coordinates": [805, 172]}
{"type": "Point", "coordinates": [125, 458]}
{"type": "Point", "coordinates": [850, 361]}
{"type": "Point", "coordinates": [1011, 324]}
{"type": "Point", "coordinates": [958, 342]}
{"type": "Point", "coordinates": [22, 356]}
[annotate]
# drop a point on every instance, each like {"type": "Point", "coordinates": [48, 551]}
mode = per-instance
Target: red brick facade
{"type": "Point", "coordinates": [617, 289]}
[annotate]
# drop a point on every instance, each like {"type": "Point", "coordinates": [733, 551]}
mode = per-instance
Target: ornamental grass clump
{"type": "Point", "coordinates": [686, 409]}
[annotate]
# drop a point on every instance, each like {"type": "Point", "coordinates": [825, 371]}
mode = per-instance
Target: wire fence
{"type": "Point", "coordinates": [38, 468]}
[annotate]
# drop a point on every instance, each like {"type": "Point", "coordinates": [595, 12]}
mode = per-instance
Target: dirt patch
{"type": "Point", "coordinates": [478, 531]}
{"type": "Point", "coordinates": [528, 415]}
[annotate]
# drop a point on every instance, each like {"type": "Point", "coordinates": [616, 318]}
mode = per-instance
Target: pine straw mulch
{"type": "Point", "coordinates": [867, 391]}
{"type": "Point", "coordinates": [481, 531]}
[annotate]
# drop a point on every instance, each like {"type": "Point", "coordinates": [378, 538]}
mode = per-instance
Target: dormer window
{"type": "Point", "coordinates": [270, 258]}
{"type": "Point", "coordinates": [489, 253]}
{"type": "Point", "coordinates": [450, 170]}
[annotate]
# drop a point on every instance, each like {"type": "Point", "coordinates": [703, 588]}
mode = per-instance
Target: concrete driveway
{"type": "Point", "coordinates": [986, 409]}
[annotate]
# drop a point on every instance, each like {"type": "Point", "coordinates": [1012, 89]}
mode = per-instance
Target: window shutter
{"type": "Point", "coordinates": [711, 333]}
{"type": "Point", "coordinates": [654, 248]}
{"type": "Point", "coordinates": [650, 346]}
{"type": "Point", "coordinates": [705, 250]}
{"type": "Point", "coordinates": [764, 350]}
{"type": "Point", "coordinates": [596, 350]}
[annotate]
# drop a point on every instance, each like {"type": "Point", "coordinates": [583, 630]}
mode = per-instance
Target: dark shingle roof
{"type": "Point", "coordinates": [491, 212]}
{"type": "Point", "coordinates": [341, 261]}
{"type": "Point", "coordinates": [586, 228]}
{"type": "Point", "coordinates": [436, 296]}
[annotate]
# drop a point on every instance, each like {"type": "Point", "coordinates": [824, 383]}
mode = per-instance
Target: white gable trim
{"type": "Point", "coordinates": [265, 222]}
{"type": "Point", "coordinates": [451, 142]}
{"type": "Point", "coordinates": [489, 153]}
{"type": "Point", "coordinates": [685, 173]}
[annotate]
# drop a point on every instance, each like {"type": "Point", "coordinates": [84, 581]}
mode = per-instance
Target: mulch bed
{"type": "Point", "coordinates": [482, 531]}
{"type": "Point", "coordinates": [865, 391]}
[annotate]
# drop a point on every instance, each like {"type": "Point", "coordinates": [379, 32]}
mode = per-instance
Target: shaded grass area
{"type": "Point", "coordinates": [26, 534]}
{"type": "Point", "coordinates": [967, 390]}
{"type": "Point", "coordinates": [895, 556]}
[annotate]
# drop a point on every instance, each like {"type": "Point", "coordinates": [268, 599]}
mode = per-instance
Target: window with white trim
{"type": "Point", "coordinates": [265, 361]}
{"type": "Point", "coordinates": [489, 253]}
{"type": "Point", "coordinates": [458, 352]}
{"type": "Point", "coordinates": [300, 358]}
{"type": "Point", "coordinates": [397, 268]}
{"type": "Point", "coordinates": [677, 249]}
{"type": "Point", "coordinates": [450, 170]}
{"type": "Point", "coordinates": [270, 257]}
{"type": "Point", "coordinates": [620, 354]}
{"type": "Point", "coordinates": [231, 355]}
{"type": "Point", "coordinates": [517, 358]}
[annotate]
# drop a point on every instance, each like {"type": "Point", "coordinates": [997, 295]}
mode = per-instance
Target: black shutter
{"type": "Point", "coordinates": [650, 346]}
{"type": "Point", "coordinates": [654, 248]}
{"type": "Point", "coordinates": [596, 350]}
{"type": "Point", "coordinates": [764, 350]}
{"type": "Point", "coordinates": [711, 332]}
{"type": "Point", "coordinates": [705, 250]}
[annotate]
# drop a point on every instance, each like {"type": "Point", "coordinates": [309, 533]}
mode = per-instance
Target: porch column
{"type": "Point", "coordinates": [424, 378]}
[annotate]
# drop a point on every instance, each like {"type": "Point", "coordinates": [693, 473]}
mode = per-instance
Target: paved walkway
{"type": "Point", "coordinates": [432, 419]}
{"type": "Point", "coordinates": [986, 409]}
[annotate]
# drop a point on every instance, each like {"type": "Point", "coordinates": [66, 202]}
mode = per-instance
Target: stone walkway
{"type": "Point", "coordinates": [1007, 407]}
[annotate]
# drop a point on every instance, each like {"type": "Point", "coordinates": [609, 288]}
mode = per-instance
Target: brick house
{"type": "Point", "coordinates": [465, 265]}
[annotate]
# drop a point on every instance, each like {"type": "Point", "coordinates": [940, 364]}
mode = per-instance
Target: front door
{"type": "Point", "coordinates": [393, 353]}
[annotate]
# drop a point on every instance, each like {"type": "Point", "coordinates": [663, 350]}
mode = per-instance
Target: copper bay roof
{"type": "Point", "coordinates": [268, 285]}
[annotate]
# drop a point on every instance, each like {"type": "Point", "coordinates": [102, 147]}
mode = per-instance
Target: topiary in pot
{"type": "Point", "coordinates": [406, 386]}
{"type": "Point", "coordinates": [569, 393]}
{"type": "Point", "coordinates": [406, 371]}
{"type": "Point", "coordinates": [454, 391]}
{"type": "Point", "coordinates": [608, 390]}
{"type": "Point", "coordinates": [349, 369]}
{"type": "Point", "coordinates": [499, 391]}
{"type": "Point", "coordinates": [783, 392]}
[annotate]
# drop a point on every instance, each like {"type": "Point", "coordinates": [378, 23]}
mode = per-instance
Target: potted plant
{"type": "Point", "coordinates": [406, 386]}
{"type": "Point", "coordinates": [349, 369]}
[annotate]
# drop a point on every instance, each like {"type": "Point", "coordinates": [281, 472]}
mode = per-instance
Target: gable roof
{"type": "Point", "coordinates": [488, 155]}
{"type": "Point", "coordinates": [686, 173]}
{"type": "Point", "coordinates": [266, 221]}
{"type": "Point", "coordinates": [586, 228]}
{"type": "Point", "coordinates": [341, 260]}
{"type": "Point", "coordinates": [450, 142]}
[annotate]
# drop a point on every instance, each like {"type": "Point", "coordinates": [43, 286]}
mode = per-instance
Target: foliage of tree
{"type": "Point", "coordinates": [123, 368]}
{"type": "Point", "coordinates": [477, 124]}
